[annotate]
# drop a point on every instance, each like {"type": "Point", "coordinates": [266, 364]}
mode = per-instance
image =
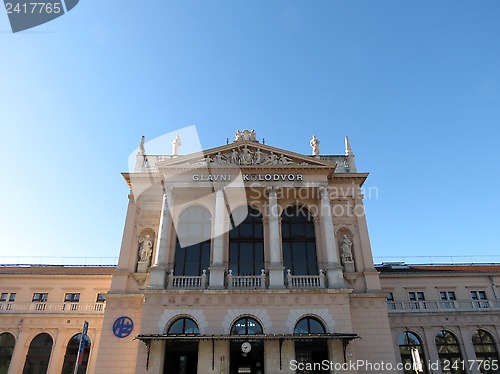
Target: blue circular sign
{"type": "Point", "coordinates": [123, 326]}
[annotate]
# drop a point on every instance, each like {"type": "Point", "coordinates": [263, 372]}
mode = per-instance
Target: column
{"type": "Point", "coordinates": [333, 270]}
{"type": "Point", "coordinates": [276, 276]}
{"type": "Point", "coordinates": [158, 270]}
{"type": "Point", "coordinates": [218, 269]}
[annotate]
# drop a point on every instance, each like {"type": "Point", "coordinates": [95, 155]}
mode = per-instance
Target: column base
{"type": "Point", "coordinates": [335, 276]}
{"type": "Point", "coordinates": [157, 276]}
{"type": "Point", "coordinates": [217, 277]}
{"type": "Point", "coordinates": [276, 276]}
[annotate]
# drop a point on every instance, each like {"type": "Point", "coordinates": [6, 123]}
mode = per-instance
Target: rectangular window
{"type": "Point", "coordinates": [4, 296]}
{"type": "Point", "coordinates": [416, 296]}
{"type": "Point", "coordinates": [72, 297]}
{"type": "Point", "coordinates": [447, 295]}
{"type": "Point", "coordinates": [12, 297]}
{"type": "Point", "coordinates": [390, 296]}
{"type": "Point", "coordinates": [480, 300]}
{"type": "Point", "coordinates": [100, 298]}
{"type": "Point", "coordinates": [40, 297]}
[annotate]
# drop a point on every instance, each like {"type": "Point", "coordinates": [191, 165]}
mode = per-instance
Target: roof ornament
{"type": "Point", "coordinates": [314, 143]}
{"type": "Point", "coordinates": [245, 135]}
{"type": "Point", "coordinates": [176, 144]}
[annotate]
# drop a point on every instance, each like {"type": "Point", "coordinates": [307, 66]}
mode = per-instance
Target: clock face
{"type": "Point", "coordinates": [246, 347]}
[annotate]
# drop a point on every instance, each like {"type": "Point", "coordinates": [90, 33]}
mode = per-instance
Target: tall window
{"type": "Point", "coordinates": [486, 351]}
{"type": "Point", "coordinates": [246, 242]}
{"type": "Point", "coordinates": [299, 241]}
{"type": "Point", "coordinates": [246, 326]}
{"type": "Point", "coordinates": [449, 353]}
{"type": "Point", "coordinates": [309, 325]}
{"type": "Point", "coordinates": [409, 344]}
{"type": "Point", "coordinates": [72, 353]}
{"type": "Point", "coordinates": [192, 250]}
{"type": "Point", "coordinates": [37, 360]}
{"type": "Point", "coordinates": [7, 343]}
{"type": "Point", "coordinates": [183, 326]}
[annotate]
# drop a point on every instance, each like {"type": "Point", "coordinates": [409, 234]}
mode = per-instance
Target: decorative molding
{"type": "Point", "coordinates": [169, 315]}
{"type": "Point", "coordinates": [260, 314]}
{"type": "Point", "coordinates": [322, 314]}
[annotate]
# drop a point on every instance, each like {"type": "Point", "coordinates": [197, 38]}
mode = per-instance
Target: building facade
{"type": "Point", "coordinates": [244, 258]}
{"type": "Point", "coordinates": [247, 258]}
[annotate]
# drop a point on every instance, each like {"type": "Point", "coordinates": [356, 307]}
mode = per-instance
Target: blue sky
{"type": "Point", "coordinates": [414, 84]}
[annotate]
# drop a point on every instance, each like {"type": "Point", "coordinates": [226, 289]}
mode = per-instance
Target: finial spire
{"type": "Point", "coordinates": [141, 146]}
{"type": "Point", "coordinates": [348, 149]}
{"type": "Point", "coordinates": [349, 157]}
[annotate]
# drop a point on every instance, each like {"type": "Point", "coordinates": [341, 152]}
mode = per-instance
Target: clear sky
{"type": "Point", "coordinates": [414, 84]}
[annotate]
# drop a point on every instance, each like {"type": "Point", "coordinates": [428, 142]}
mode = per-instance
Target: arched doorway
{"type": "Point", "coordinates": [72, 353]}
{"type": "Point", "coordinates": [449, 353]}
{"type": "Point", "coordinates": [310, 351]}
{"type": "Point", "coordinates": [247, 354]}
{"type": "Point", "coordinates": [37, 360]}
{"type": "Point", "coordinates": [408, 343]}
{"type": "Point", "coordinates": [181, 356]}
{"type": "Point", "coordinates": [486, 351]}
{"type": "Point", "coordinates": [7, 343]}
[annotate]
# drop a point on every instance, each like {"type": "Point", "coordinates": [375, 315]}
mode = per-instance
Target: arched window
{"type": "Point", "coordinates": [192, 249]}
{"type": "Point", "coordinates": [486, 351]}
{"type": "Point", "coordinates": [299, 241]}
{"type": "Point", "coordinates": [183, 326]}
{"type": "Point", "coordinates": [309, 325]}
{"type": "Point", "coordinates": [37, 360]}
{"type": "Point", "coordinates": [246, 326]}
{"type": "Point", "coordinates": [246, 242]}
{"type": "Point", "coordinates": [72, 353]}
{"type": "Point", "coordinates": [449, 352]}
{"type": "Point", "coordinates": [409, 343]}
{"type": "Point", "coordinates": [7, 343]}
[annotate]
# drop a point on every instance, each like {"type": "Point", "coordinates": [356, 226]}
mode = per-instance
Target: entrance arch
{"type": "Point", "coordinates": [247, 354]}
{"type": "Point", "coordinates": [72, 354]}
{"type": "Point", "coordinates": [181, 356]}
{"type": "Point", "coordinates": [310, 351]}
{"type": "Point", "coordinates": [37, 360]}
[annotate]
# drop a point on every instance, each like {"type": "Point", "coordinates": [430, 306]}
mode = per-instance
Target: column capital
{"type": "Point", "coordinates": [272, 190]}
{"type": "Point", "coordinates": [324, 191]}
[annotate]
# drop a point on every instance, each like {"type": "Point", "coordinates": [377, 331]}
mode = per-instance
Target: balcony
{"type": "Point", "coordinates": [305, 281]}
{"type": "Point", "coordinates": [442, 306]}
{"type": "Point", "coordinates": [249, 282]}
{"type": "Point", "coordinates": [246, 281]}
{"type": "Point", "coordinates": [51, 308]}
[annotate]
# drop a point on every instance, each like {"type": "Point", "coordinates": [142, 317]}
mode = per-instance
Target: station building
{"type": "Point", "coordinates": [247, 258]}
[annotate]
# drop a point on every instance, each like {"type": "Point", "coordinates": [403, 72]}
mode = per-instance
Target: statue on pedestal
{"type": "Point", "coordinates": [314, 143]}
{"type": "Point", "coordinates": [345, 246]}
{"type": "Point", "coordinates": [176, 144]}
{"type": "Point", "coordinates": [146, 249]}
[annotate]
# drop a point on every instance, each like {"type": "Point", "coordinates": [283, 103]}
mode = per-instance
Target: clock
{"type": "Point", "coordinates": [246, 347]}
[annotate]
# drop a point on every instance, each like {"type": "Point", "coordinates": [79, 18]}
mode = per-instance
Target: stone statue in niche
{"type": "Point", "coordinates": [145, 252]}
{"type": "Point", "coordinates": [345, 246]}
{"type": "Point", "coordinates": [314, 143]}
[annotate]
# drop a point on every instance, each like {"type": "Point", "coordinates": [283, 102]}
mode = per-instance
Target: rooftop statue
{"type": "Point", "coordinates": [315, 145]}
{"type": "Point", "coordinates": [176, 144]}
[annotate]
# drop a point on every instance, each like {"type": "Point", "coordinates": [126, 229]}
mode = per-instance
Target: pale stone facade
{"type": "Point", "coordinates": [26, 312]}
{"type": "Point", "coordinates": [212, 290]}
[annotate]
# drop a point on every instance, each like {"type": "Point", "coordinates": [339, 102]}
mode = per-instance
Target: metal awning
{"type": "Point", "coordinates": [148, 338]}
{"type": "Point", "coordinates": [197, 337]}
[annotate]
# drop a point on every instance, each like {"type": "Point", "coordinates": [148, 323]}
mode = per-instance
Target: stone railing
{"type": "Point", "coordinates": [305, 281]}
{"type": "Point", "coordinates": [187, 282]}
{"type": "Point", "coordinates": [49, 308]}
{"type": "Point", "coordinates": [246, 281]}
{"type": "Point", "coordinates": [442, 306]}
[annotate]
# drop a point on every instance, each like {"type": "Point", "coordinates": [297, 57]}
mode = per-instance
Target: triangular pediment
{"type": "Point", "coordinates": [246, 154]}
